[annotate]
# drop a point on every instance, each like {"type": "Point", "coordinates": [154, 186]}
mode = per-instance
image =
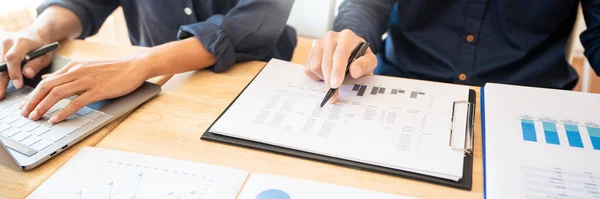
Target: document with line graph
{"type": "Point", "coordinates": [95, 173]}
{"type": "Point", "coordinates": [385, 121]}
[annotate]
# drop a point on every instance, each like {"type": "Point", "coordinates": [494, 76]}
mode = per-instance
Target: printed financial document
{"type": "Point", "coordinates": [95, 173]}
{"type": "Point", "coordinates": [390, 122]}
{"type": "Point", "coordinates": [541, 143]}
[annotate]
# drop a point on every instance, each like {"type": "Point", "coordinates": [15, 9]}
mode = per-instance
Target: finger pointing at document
{"type": "Point", "coordinates": [329, 55]}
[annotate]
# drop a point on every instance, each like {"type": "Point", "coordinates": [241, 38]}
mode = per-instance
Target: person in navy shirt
{"type": "Point", "coordinates": [184, 35]}
{"type": "Point", "coordinates": [458, 41]}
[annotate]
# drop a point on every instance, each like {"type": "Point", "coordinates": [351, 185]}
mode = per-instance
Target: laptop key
{"type": "Point", "coordinates": [65, 128]}
{"type": "Point", "coordinates": [94, 115]}
{"type": "Point", "coordinates": [20, 136]}
{"type": "Point", "coordinates": [30, 140]}
{"type": "Point", "coordinates": [40, 130]}
{"type": "Point", "coordinates": [42, 144]}
{"type": "Point", "coordinates": [11, 118]}
{"type": "Point", "coordinates": [10, 132]}
{"type": "Point", "coordinates": [6, 103]}
{"type": "Point", "coordinates": [62, 103]}
{"type": "Point", "coordinates": [52, 111]}
{"type": "Point", "coordinates": [84, 111]}
{"type": "Point", "coordinates": [53, 135]}
{"type": "Point", "coordinates": [44, 121]}
{"type": "Point", "coordinates": [20, 122]}
{"type": "Point", "coordinates": [4, 114]}
{"type": "Point", "coordinates": [12, 108]}
{"type": "Point", "coordinates": [78, 120]}
{"type": "Point", "coordinates": [4, 126]}
{"type": "Point", "coordinates": [30, 126]}
{"type": "Point", "coordinates": [25, 150]}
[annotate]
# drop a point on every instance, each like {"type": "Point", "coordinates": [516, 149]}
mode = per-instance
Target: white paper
{"type": "Point", "coordinates": [101, 173]}
{"type": "Point", "coordinates": [261, 186]}
{"type": "Point", "coordinates": [404, 126]}
{"type": "Point", "coordinates": [525, 158]}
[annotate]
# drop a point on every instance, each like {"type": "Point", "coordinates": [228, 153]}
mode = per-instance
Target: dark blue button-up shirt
{"type": "Point", "coordinates": [505, 41]}
{"type": "Point", "coordinates": [232, 30]}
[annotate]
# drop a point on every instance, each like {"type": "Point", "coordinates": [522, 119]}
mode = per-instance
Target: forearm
{"type": "Point", "coordinates": [174, 57]}
{"type": "Point", "coordinates": [55, 24]}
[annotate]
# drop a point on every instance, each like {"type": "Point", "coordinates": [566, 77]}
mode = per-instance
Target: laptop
{"type": "Point", "coordinates": [26, 144]}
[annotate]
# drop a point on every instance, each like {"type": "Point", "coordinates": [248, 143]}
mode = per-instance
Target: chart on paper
{"type": "Point", "coordinates": [104, 174]}
{"type": "Point", "coordinates": [540, 144]}
{"type": "Point", "coordinates": [569, 133]}
{"type": "Point", "coordinates": [405, 122]}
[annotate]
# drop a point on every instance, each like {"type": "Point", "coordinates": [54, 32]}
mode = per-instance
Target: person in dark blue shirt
{"type": "Point", "coordinates": [458, 41]}
{"type": "Point", "coordinates": [184, 35]}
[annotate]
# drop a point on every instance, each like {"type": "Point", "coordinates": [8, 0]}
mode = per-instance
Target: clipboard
{"type": "Point", "coordinates": [464, 183]}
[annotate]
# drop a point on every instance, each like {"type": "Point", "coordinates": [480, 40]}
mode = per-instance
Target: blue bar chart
{"type": "Point", "coordinates": [565, 132]}
{"type": "Point", "coordinates": [595, 136]}
{"type": "Point", "coordinates": [551, 133]}
{"type": "Point", "coordinates": [528, 130]}
{"type": "Point", "coordinates": [573, 136]}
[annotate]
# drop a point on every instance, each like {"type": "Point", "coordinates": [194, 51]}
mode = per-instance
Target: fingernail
{"type": "Point", "coordinates": [53, 120]}
{"type": "Point", "coordinates": [17, 83]}
{"type": "Point", "coordinates": [24, 112]}
{"type": "Point", "coordinates": [34, 115]}
{"type": "Point", "coordinates": [29, 72]}
{"type": "Point", "coordinates": [334, 83]}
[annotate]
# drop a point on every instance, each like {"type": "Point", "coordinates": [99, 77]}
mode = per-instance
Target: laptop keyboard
{"type": "Point", "coordinates": [27, 136]}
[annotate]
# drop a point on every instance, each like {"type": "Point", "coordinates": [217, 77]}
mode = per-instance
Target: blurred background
{"type": "Point", "coordinates": [311, 18]}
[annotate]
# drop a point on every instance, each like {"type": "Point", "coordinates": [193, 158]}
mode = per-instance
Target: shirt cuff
{"type": "Point", "coordinates": [214, 39]}
{"type": "Point", "coordinates": [77, 9]}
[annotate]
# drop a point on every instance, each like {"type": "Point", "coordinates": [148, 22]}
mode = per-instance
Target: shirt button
{"type": "Point", "coordinates": [188, 11]}
{"type": "Point", "coordinates": [462, 77]}
{"type": "Point", "coordinates": [470, 38]}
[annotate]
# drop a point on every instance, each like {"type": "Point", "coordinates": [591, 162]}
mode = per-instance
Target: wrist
{"type": "Point", "coordinates": [144, 63]}
{"type": "Point", "coordinates": [37, 34]}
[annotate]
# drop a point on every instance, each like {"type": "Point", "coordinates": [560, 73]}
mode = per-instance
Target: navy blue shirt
{"type": "Point", "coordinates": [232, 30]}
{"type": "Point", "coordinates": [474, 41]}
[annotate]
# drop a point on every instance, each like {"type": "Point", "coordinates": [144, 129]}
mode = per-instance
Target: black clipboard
{"type": "Point", "coordinates": [464, 183]}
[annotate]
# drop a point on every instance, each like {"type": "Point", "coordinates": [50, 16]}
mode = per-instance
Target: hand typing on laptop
{"type": "Point", "coordinates": [91, 81]}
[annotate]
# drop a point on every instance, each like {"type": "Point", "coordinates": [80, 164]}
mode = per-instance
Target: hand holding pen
{"type": "Point", "coordinates": [22, 55]}
{"type": "Point", "coordinates": [358, 52]}
{"type": "Point", "coordinates": [328, 60]}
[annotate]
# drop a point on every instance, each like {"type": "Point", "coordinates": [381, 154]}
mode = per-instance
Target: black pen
{"type": "Point", "coordinates": [33, 54]}
{"type": "Point", "coordinates": [356, 53]}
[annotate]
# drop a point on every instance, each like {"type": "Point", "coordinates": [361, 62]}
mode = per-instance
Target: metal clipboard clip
{"type": "Point", "coordinates": [463, 114]}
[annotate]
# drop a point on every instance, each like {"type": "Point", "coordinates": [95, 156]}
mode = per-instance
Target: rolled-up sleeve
{"type": "Point", "coordinates": [367, 18]}
{"type": "Point", "coordinates": [91, 13]}
{"type": "Point", "coordinates": [249, 31]}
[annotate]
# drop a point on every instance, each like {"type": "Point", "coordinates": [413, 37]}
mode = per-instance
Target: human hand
{"type": "Point", "coordinates": [13, 49]}
{"type": "Point", "coordinates": [328, 59]}
{"type": "Point", "coordinates": [91, 81]}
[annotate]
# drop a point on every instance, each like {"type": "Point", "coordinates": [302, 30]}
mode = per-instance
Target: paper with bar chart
{"type": "Point", "coordinates": [95, 173]}
{"type": "Point", "coordinates": [260, 186]}
{"type": "Point", "coordinates": [391, 122]}
{"type": "Point", "coordinates": [541, 143]}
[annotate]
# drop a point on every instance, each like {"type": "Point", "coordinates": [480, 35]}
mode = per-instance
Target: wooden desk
{"type": "Point", "coordinates": [171, 126]}
{"type": "Point", "coordinates": [17, 184]}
